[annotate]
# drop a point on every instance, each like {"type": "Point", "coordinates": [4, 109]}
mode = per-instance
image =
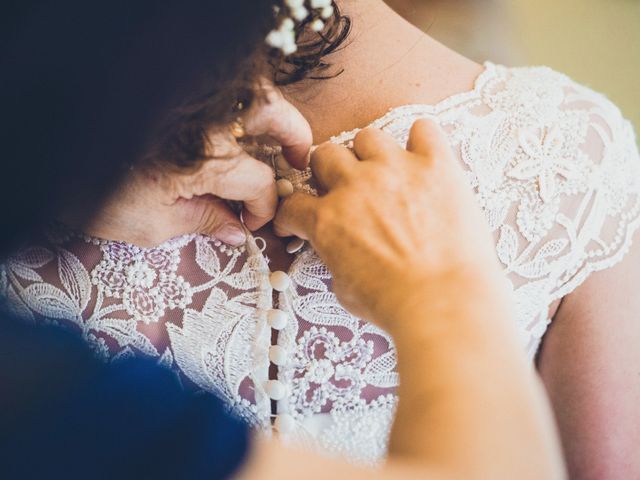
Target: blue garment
{"type": "Point", "coordinates": [63, 414]}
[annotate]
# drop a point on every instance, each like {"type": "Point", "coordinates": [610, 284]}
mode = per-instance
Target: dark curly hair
{"type": "Point", "coordinates": [88, 88]}
{"type": "Point", "coordinates": [182, 138]}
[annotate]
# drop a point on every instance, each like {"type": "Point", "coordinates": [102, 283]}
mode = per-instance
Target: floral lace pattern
{"type": "Point", "coordinates": [554, 166]}
{"type": "Point", "coordinates": [146, 281]}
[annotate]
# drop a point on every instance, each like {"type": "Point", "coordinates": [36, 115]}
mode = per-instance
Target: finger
{"type": "Point", "coordinates": [211, 216]}
{"type": "Point", "coordinates": [427, 138]}
{"type": "Point", "coordinates": [373, 143]}
{"type": "Point", "coordinates": [241, 178]}
{"type": "Point", "coordinates": [219, 221]}
{"type": "Point", "coordinates": [296, 216]}
{"type": "Point", "coordinates": [274, 116]}
{"type": "Point", "coordinates": [330, 163]}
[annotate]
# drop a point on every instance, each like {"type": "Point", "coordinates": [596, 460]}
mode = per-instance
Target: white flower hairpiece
{"type": "Point", "coordinates": [284, 37]}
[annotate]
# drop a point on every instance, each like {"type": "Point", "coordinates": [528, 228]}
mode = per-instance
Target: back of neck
{"type": "Point", "coordinates": [387, 62]}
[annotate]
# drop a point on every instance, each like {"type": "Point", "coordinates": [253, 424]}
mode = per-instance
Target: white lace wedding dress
{"type": "Point", "coordinates": [554, 166]}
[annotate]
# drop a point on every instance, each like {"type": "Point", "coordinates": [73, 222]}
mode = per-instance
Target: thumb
{"type": "Point", "coordinates": [211, 216]}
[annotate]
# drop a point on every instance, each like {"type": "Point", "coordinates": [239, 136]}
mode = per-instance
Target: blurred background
{"type": "Point", "coordinates": [596, 42]}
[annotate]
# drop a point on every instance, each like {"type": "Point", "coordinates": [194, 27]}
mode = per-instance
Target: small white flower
{"type": "Point", "coordinates": [327, 12]}
{"type": "Point", "coordinates": [287, 24]}
{"type": "Point", "coordinates": [275, 39]}
{"type": "Point", "coordinates": [284, 37]}
{"type": "Point", "coordinates": [317, 25]}
{"type": "Point", "coordinates": [289, 48]}
{"type": "Point", "coordinates": [299, 13]}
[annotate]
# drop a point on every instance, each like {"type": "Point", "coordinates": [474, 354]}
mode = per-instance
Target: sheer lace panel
{"type": "Point", "coordinates": [554, 166]}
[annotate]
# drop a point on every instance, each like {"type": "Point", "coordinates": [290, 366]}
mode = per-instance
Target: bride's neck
{"type": "Point", "coordinates": [387, 62]}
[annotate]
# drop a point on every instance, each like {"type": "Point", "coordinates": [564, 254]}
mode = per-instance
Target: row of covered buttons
{"type": "Point", "coordinates": [277, 319]}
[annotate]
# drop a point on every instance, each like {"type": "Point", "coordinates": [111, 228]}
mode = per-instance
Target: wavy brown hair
{"type": "Point", "coordinates": [89, 88]}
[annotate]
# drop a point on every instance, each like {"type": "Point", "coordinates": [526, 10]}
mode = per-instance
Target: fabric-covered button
{"type": "Point", "coordinates": [275, 389]}
{"type": "Point", "coordinates": [295, 245]}
{"type": "Point", "coordinates": [279, 280]}
{"type": "Point", "coordinates": [277, 355]}
{"type": "Point", "coordinates": [284, 187]}
{"type": "Point", "coordinates": [277, 319]}
{"type": "Point", "coordinates": [285, 423]}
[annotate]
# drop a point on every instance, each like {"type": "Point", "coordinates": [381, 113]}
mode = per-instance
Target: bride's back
{"type": "Point", "coordinates": [553, 164]}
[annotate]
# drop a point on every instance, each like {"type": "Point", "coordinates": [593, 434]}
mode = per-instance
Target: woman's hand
{"type": "Point", "coordinates": [153, 205]}
{"type": "Point", "coordinates": [410, 250]}
{"type": "Point", "coordinates": [395, 224]}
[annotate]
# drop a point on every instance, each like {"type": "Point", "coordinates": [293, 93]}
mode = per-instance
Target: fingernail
{"type": "Point", "coordinates": [232, 235]}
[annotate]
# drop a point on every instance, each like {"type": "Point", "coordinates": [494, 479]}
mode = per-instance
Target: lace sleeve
{"type": "Point", "coordinates": [606, 213]}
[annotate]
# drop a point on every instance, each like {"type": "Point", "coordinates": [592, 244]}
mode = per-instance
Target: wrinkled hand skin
{"type": "Point", "coordinates": [392, 219]}
{"type": "Point", "coordinates": [155, 203]}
